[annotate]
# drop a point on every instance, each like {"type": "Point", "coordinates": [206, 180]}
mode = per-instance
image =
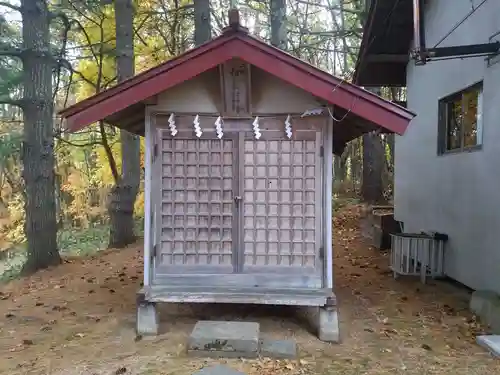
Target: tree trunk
{"type": "Point", "coordinates": [38, 145]}
{"type": "Point", "coordinates": [124, 193]}
{"type": "Point", "coordinates": [355, 163]}
{"type": "Point", "coordinates": [278, 24]}
{"type": "Point", "coordinates": [372, 188]}
{"type": "Point", "coordinates": [343, 164]}
{"type": "Point", "coordinates": [337, 169]}
{"type": "Point", "coordinates": [202, 26]}
{"type": "Point", "coordinates": [395, 95]}
{"type": "Point", "coordinates": [390, 142]}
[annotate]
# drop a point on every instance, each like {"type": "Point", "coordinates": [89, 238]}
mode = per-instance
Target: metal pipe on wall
{"type": "Point", "coordinates": [418, 28]}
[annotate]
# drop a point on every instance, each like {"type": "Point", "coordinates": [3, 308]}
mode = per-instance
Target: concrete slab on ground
{"type": "Point", "coordinates": [278, 349]}
{"type": "Point", "coordinates": [221, 354]}
{"type": "Point", "coordinates": [224, 339]}
{"type": "Point", "coordinates": [218, 370]}
{"type": "Point", "coordinates": [490, 343]}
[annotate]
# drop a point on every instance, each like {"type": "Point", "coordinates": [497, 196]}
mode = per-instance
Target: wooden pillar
{"type": "Point", "coordinates": [148, 212]}
{"type": "Point", "coordinates": [328, 186]}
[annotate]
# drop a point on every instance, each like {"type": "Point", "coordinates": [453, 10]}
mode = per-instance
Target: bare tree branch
{"type": "Point", "coordinates": [18, 103]}
{"type": "Point", "coordinates": [8, 50]}
{"type": "Point", "coordinates": [10, 6]}
{"type": "Point", "coordinates": [109, 153]}
{"type": "Point", "coordinates": [94, 143]}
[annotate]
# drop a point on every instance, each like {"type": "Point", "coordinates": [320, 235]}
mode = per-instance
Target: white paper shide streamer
{"type": "Point", "coordinates": [197, 128]}
{"type": "Point", "coordinates": [218, 127]}
{"type": "Point", "coordinates": [256, 129]}
{"type": "Point", "coordinates": [171, 125]}
{"type": "Point", "coordinates": [288, 127]}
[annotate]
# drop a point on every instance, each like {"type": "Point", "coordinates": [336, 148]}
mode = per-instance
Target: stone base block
{"type": "Point", "coordinates": [323, 320]}
{"type": "Point", "coordinates": [328, 324]}
{"type": "Point", "coordinates": [147, 320]}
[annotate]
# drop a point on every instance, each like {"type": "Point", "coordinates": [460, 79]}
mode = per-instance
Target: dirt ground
{"type": "Point", "coordinates": [79, 319]}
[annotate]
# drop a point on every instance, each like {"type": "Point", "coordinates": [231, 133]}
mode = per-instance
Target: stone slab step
{"type": "Point", "coordinates": [222, 339]}
{"type": "Point", "coordinates": [218, 370]}
{"type": "Point", "coordinates": [233, 338]}
{"type": "Point", "coordinates": [278, 349]}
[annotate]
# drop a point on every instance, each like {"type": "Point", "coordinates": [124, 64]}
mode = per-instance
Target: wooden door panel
{"type": "Point", "coordinates": [197, 208]}
{"type": "Point", "coordinates": [281, 211]}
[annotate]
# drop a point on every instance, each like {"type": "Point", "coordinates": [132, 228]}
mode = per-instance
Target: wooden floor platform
{"type": "Point", "coordinates": [197, 294]}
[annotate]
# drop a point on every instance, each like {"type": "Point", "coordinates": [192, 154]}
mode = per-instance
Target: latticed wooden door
{"type": "Point", "coordinates": [196, 231]}
{"type": "Point", "coordinates": [281, 203]}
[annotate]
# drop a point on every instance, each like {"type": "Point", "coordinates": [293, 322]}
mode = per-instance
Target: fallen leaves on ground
{"type": "Point", "coordinates": [79, 319]}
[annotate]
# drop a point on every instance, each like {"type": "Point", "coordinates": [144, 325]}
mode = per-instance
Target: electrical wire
{"type": "Point", "coordinates": [460, 23]}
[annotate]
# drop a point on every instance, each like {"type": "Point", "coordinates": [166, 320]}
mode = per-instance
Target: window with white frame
{"type": "Point", "coordinates": [460, 120]}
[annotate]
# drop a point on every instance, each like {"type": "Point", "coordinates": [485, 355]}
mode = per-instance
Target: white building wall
{"type": "Point", "coordinates": [457, 194]}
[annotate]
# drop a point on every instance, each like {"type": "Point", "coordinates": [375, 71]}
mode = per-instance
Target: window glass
{"type": "Point", "coordinates": [454, 124]}
{"type": "Point", "coordinates": [461, 122]}
{"type": "Point", "coordinates": [470, 114]}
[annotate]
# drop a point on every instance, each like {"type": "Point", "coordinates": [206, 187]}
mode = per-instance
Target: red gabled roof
{"type": "Point", "coordinates": [238, 44]}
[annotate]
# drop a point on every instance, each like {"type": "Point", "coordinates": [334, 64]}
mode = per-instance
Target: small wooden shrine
{"type": "Point", "coordinates": [239, 143]}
